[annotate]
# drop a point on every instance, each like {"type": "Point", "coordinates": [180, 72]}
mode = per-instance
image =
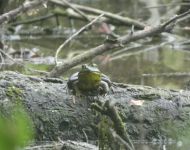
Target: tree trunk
{"type": "Point", "coordinates": [147, 112]}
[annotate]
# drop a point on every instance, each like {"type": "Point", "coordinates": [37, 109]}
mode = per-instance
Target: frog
{"type": "Point", "coordinates": [89, 81]}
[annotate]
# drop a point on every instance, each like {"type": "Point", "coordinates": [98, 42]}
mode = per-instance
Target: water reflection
{"type": "Point", "coordinates": [158, 63]}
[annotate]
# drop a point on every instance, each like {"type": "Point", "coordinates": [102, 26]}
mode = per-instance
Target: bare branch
{"type": "Point", "coordinates": [58, 70]}
{"type": "Point", "coordinates": [74, 35]}
{"type": "Point", "coordinates": [11, 14]}
{"type": "Point", "coordinates": [33, 20]}
{"type": "Point", "coordinates": [175, 18]}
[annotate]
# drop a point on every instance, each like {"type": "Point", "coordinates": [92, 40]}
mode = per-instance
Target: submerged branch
{"type": "Point", "coordinates": [169, 74]}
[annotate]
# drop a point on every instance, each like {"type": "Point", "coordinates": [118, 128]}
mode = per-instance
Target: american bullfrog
{"type": "Point", "coordinates": [89, 81]}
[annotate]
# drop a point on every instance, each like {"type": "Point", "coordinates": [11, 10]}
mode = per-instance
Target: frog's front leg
{"type": "Point", "coordinates": [103, 88]}
{"type": "Point", "coordinates": [75, 92]}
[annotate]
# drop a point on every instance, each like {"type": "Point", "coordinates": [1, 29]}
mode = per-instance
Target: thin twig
{"type": "Point", "coordinates": [16, 62]}
{"type": "Point", "coordinates": [46, 146]}
{"type": "Point", "coordinates": [175, 18]}
{"type": "Point", "coordinates": [120, 54]}
{"type": "Point", "coordinates": [77, 10]}
{"type": "Point", "coordinates": [119, 139]}
{"type": "Point", "coordinates": [29, 21]}
{"type": "Point", "coordinates": [86, 137]}
{"type": "Point", "coordinates": [74, 35]}
{"type": "Point", "coordinates": [7, 55]}
{"type": "Point", "coordinates": [1, 59]}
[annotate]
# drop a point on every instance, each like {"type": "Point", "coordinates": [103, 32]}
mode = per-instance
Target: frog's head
{"type": "Point", "coordinates": [89, 68]}
{"type": "Point", "coordinates": [89, 77]}
{"type": "Point", "coordinates": [89, 81]}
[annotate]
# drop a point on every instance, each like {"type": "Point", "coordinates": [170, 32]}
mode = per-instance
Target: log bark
{"type": "Point", "coordinates": [55, 115]}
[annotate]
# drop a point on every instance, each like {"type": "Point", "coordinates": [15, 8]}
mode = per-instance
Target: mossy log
{"type": "Point", "coordinates": [56, 115]}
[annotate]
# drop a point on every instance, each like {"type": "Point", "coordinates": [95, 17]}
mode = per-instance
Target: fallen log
{"type": "Point", "coordinates": [146, 112]}
{"type": "Point", "coordinates": [117, 18]}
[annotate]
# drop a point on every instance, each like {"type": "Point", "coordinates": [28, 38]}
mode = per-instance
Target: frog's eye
{"type": "Point", "coordinates": [84, 66]}
{"type": "Point", "coordinates": [94, 65]}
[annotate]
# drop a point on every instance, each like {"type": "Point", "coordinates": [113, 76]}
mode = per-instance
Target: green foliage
{"type": "Point", "coordinates": [15, 129]}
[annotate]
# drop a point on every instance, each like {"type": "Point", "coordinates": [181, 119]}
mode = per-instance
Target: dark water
{"type": "Point", "coordinates": [157, 57]}
{"type": "Point", "coordinates": [159, 64]}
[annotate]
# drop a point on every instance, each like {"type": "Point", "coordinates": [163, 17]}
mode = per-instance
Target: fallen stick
{"type": "Point", "coordinates": [34, 20]}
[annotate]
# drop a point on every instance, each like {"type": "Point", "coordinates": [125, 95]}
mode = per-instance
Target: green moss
{"type": "Point", "coordinates": [111, 121]}
{"type": "Point", "coordinates": [14, 93]}
{"type": "Point", "coordinates": [42, 67]}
